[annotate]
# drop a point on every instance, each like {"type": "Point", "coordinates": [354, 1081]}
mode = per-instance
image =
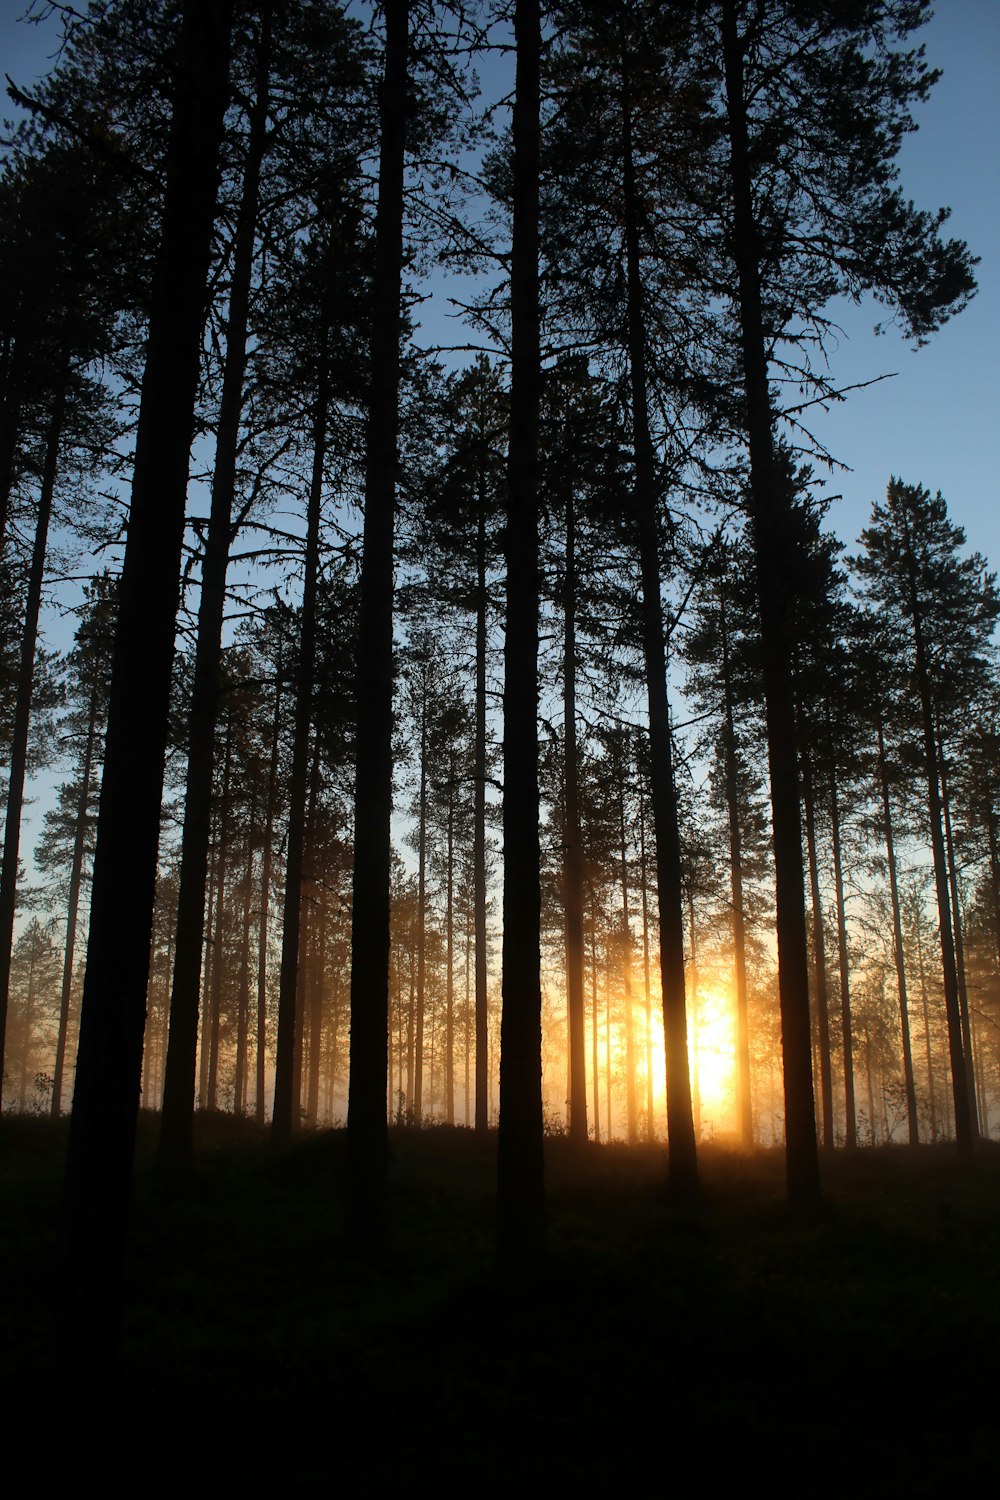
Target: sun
{"type": "Point", "coordinates": [712, 1046]}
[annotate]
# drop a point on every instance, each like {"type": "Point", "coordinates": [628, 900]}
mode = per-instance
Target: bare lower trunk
{"type": "Point", "coordinates": [75, 884]}
{"type": "Point", "coordinates": [520, 1162]}
{"type": "Point", "coordinates": [22, 707]}
{"type": "Point", "coordinates": [572, 849]}
{"type": "Point", "coordinates": [683, 1156]}
{"type": "Point", "coordinates": [366, 1116]}
{"type": "Point", "coordinates": [850, 1127]}
{"type": "Point", "coordinates": [775, 573]}
{"type": "Point", "coordinates": [898, 951]}
{"type": "Point", "coordinates": [109, 1065]}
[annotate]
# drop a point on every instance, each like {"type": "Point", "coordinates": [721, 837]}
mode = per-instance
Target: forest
{"type": "Point", "coordinates": [479, 847]}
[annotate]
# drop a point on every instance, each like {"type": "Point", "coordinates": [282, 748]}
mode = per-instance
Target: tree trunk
{"type": "Point", "coordinates": [177, 1121]}
{"type": "Point", "coordinates": [265, 899]}
{"type": "Point", "coordinates": [964, 1123]}
{"type": "Point", "coordinates": [927, 1026]}
{"type": "Point", "coordinates": [631, 1105]}
{"type": "Point", "coordinates": [744, 1111]}
{"type": "Point", "coordinates": [243, 990]}
{"type": "Point", "coordinates": [647, 988]}
{"type": "Point", "coordinates": [75, 884]}
{"type": "Point", "coordinates": [418, 1086]}
{"type": "Point", "coordinates": [572, 850]}
{"type": "Point", "coordinates": [956, 910]}
{"type": "Point", "coordinates": [219, 974]}
{"type": "Point", "coordinates": [775, 580]}
{"type": "Point", "coordinates": [109, 1065]}
{"type": "Point", "coordinates": [520, 1160]}
{"type": "Point", "coordinates": [819, 956]}
{"type": "Point", "coordinates": [899, 955]}
{"type": "Point", "coordinates": [449, 1043]}
{"type": "Point", "coordinates": [366, 1115]}
{"type": "Point", "coordinates": [595, 1060]}
{"type": "Point", "coordinates": [696, 1078]}
{"type": "Point", "coordinates": [22, 706]}
{"type": "Point", "coordinates": [850, 1126]}
{"type": "Point", "coordinates": [285, 1115]}
{"type": "Point", "coordinates": [479, 816]}
{"type": "Point", "coordinates": [683, 1154]}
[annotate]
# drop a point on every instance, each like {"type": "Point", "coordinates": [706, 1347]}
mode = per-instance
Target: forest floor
{"type": "Point", "coordinates": [731, 1343]}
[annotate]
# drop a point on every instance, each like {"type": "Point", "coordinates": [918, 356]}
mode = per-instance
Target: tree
{"type": "Point", "coordinates": [948, 605]}
{"type": "Point", "coordinates": [105, 1105]}
{"type": "Point", "coordinates": [366, 1118]}
{"type": "Point", "coordinates": [810, 210]}
{"type": "Point", "coordinates": [520, 1158]}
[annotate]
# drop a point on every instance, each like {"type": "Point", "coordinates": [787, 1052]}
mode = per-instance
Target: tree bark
{"type": "Point", "coordinates": [366, 1114]}
{"type": "Point", "coordinates": [850, 1126]}
{"type": "Point", "coordinates": [965, 1132]}
{"type": "Point", "coordinates": [479, 816]}
{"type": "Point", "coordinates": [520, 1160]}
{"type": "Point", "coordinates": [744, 1108]}
{"type": "Point", "coordinates": [97, 1187]}
{"type": "Point", "coordinates": [681, 1138]}
{"type": "Point", "coordinates": [819, 956]}
{"type": "Point", "coordinates": [267, 856]}
{"type": "Point", "coordinates": [285, 1116]}
{"type": "Point", "coordinates": [75, 884]}
{"type": "Point", "coordinates": [219, 973]}
{"type": "Point", "coordinates": [177, 1122]}
{"type": "Point", "coordinates": [572, 849]}
{"type": "Point", "coordinates": [775, 574]}
{"type": "Point", "coordinates": [898, 951]}
{"type": "Point", "coordinates": [22, 706]}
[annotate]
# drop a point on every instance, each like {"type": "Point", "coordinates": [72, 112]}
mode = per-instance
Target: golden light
{"type": "Point", "coordinates": [712, 1044]}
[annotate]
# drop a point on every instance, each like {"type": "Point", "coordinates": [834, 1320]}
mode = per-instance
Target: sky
{"type": "Point", "coordinates": [937, 421]}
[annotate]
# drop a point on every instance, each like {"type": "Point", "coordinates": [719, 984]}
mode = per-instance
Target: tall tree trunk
{"type": "Point", "coordinates": [307, 948]}
{"type": "Point", "coordinates": [956, 910]}
{"type": "Point", "coordinates": [775, 579]}
{"type": "Point", "coordinates": [927, 1025]}
{"type": "Point", "coordinates": [683, 1153]}
{"type": "Point", "coordinates": [850, 1127]}
{"type": "Point", "coordinates": [520, 1160]}
{"type": "Point", "coordinates": [366, 1115]}
{"type": "Point", "coordinates": [243, 990]}
{"type": "Point", "coordinates": [479, 817]}
{"type": "Point", "coordinates": [449, 1041]}
{"type": "Point", "coordinates": [647, 988]}
{"type": "Point", "coordinates": [177, 1121]}
{"type": "Point", "coordinates": [286, 1103]}
{"type": "Point", "coordinates": [75, 884]}
{"type": "Point", "coordinates": [97, 1189]}
{"type": "Point", "coordinates": [418, 1086]}
{"type": "Point", "coordinates": [572, 850]}
{"type": "Point", "coordinates": [316, 1015]}
{"type": "Point", "coordinates": [898, 951]}
{"type": "Point", "coordinates": [965, 1134]}
{"type": "Point", "coordinates": [267, 855]}
{"type": "Point", "coordinates": [22, 706]}
{"type": "Point", "coordinates": [819, 955]}
{"type": "Point", "coordinates": [595, 1059]}
{"type": "Point", "coordinates": [631, 1105]}
{"type": "Point", "coordinates": [219, 970]}
{"type": "Point", "coordinates": [211, 957]}
{"type": "Point", "coordinates": [744, 1109]}
{"type": "Point", "coordinates": [695, 1071]}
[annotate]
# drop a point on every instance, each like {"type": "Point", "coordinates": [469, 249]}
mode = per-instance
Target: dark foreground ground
{"type": "Point", "coordinates": [685, 1353]}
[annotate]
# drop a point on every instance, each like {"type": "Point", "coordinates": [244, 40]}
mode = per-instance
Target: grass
{"type": "Point", "coordinates": [709, 1347]}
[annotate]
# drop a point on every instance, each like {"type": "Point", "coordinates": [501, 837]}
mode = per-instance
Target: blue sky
{"type": "Point", "coordinates": [938, 421]}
